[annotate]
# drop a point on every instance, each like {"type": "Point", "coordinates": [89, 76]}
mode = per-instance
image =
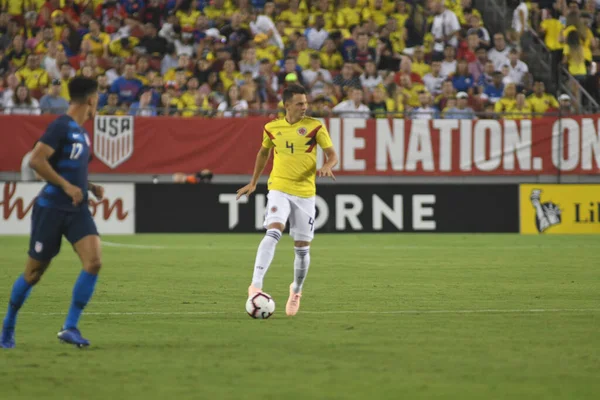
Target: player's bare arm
{"type": "Point", "coordinates": [97, 190]}
{"type": "Point", "coordinates": [330, 163]}
{"type": "Point", "coordinates": [259, 166]}
{"type": "Point", "coordinates": [39, 162]}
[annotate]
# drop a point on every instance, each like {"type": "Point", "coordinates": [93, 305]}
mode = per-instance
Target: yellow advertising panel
{"type": "Point", "coordinates": [547, 209]}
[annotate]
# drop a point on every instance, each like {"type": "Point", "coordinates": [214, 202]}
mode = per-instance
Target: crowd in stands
{"type": "Point", "coordinates": [230, 58]}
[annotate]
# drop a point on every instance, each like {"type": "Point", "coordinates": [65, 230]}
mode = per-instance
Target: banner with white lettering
{"type": "Point", "coordinates": [340, 208]}
{"type": "Point", "coordinates": [115, 214]}
{"type": "Point", "coordinates": [366, 147]}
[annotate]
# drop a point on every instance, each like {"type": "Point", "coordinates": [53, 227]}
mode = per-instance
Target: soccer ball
{"type": "Point", "coordinates": [260, 306]}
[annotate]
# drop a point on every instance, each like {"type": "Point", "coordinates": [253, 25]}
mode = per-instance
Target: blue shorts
{"type": "Point", "coordinates": [48, 225]}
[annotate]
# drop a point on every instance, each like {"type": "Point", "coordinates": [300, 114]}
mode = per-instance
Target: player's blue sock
{"type": "Point", "coordinates": [19, 294]}
{"type": "Point", "coordinates": [82, 293]}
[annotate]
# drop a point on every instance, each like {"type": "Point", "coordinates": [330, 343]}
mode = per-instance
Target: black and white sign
{"type": "Point", "coordinates": [113, 139]}
{"type": "Point", "coordinates": [340, 208]}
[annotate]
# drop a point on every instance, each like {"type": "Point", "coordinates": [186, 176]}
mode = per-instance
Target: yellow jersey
{"type": "Point", "coordinates": [33, 78]}
{"type": "Point", "coordinates": [295, 154]}
{"type": "Point", "coordinates": [187, 20]}
{"type": "Point", "coordinates": [586, 41]}
{"type": "Point", "coordinates": [97, 42]}
{"type": "Point", "coordinates": [524, 113]}
{"type": "Point", "coordinates": [296, 20]}
{"type": "Point", "coordinates": [540, 105]}
{"type": "Point", "coordinates": [552, 27]}
{"type": "Point", "coordinates": [504, 105]}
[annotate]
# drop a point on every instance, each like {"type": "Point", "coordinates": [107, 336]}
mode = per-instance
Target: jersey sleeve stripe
{"type": "Point", "coordinates": [313, 133]}
{"type": "Point", "coordinates": [270, 135]}
{"type": "Point", "coordinates": [312, 142]}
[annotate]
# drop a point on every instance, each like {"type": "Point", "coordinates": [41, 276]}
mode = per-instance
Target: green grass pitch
{"type": "Point", "coordinates": [382, 317]}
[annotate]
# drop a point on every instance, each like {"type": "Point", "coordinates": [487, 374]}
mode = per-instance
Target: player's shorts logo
{"type": "Point", "coordinates": [113, 139]}
{"type": "Point", "coordinates": [301, 131]}
{"type": "Point", "coordinates": [273, 210]}
{"type": "Point", "coordinates": [39, 246]}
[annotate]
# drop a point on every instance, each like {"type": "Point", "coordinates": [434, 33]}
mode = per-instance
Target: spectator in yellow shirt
{"type": "Point", "coordinates": [142, 68]}
{"type": "Point", "coordinates": [304, 53]}
{"type": "Point", "coordinates": [66, 73]}
{"type": "Point", "coordinates": [17, 53]}
{"type": "Point", "coordinates": [401, 12]}
{"type": "Point", "coordinates": [410, 91]}
{"type": "Point", "coordinates": [229, 75]}
{"type": "Point", "coordinates": [200, 107]}
{"type": "Point", "coordinates": [264, 50]}
{"type": "Point", "coordinates": [47, 37]}
{"type": "Point", "coordinates": [349, 15]}
{"type": "Point", "coordinates": [99, 41]}
{"type": "Point", "coordinates": [57, 19]}
{"type": "Point", "coordinates": [550, 28]}
{"type": "Point", "coordinates": [521, 109]}
{"type": "Point", "coordinates": [326, 10]}
{"type": "Point", "coordinates": [183, 63]}
{"type": "Point", "coordinates": [218, 12]}
{"type": "Point", "coordinates": [541, 101]}
{"type": "Point", "coordinates": [112, 106]}
{"type": "Point", "coordinates": [508, 101]}
{"type": "Point", "coordinates": [586, 37]}
{"type": "Point", "coordinates": [574, 56]}
{"type": "Point", "coordinates": [188, 98]}
{"type": "Point", "coordinates": [187, 16]}
{"type": "Point", "coordinates": [14, 7]}
{"type": "Point", "coordinates": [331, 58]}
{"type": "Point", "coordinates": [419, 65]}
{"type": "Point", "coordinates": [31, 75]}
{"type": "Point", "coordinates": [294, 17]}
{"type": "Point", "coordinates": [376, 14]}
{"type": "Point", "coordinates": [123, 47]}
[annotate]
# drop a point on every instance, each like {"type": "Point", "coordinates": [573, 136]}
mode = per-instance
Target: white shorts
{"type": "Point", "coordinates": [300, 212]}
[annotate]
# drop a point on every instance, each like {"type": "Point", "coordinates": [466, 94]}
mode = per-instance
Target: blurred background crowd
{"type": "Point", "coordinates": [356, 58]}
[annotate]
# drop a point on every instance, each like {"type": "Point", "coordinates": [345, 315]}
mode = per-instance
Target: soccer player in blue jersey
{"type": "Point", "coordinates": [61, 158]}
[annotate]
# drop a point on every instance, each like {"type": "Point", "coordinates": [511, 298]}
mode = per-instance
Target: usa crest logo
{"type": "Point", "coordinates": [301, 131]}
{"type": "Point", "coordinates": [113, 139]}
{"type": "Point", "coordinates": [39, 246]}
{"type": "Point", "coordinates": [547, 213]}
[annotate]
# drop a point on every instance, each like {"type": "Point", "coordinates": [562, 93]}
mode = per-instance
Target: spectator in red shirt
{"type": "Point", "coordinates": [46, 11]}
{"type": "Point", "coordinates": [406, 68]}
{"type": "Point", "coordinates": [109, 9]}
{"type": "Point", "coordinates": [469, 52]}
{"type": "Point", "coordinates": [362, 53]}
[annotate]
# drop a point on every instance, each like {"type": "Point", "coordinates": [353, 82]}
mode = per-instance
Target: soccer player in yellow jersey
{"type": "Point", "coordinates": [292, 190]}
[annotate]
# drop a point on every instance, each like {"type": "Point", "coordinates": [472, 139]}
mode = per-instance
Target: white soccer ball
{"type": "Point", "coordinates": [260, 306]}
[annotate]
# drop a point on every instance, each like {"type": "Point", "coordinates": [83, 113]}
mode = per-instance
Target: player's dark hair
{"type": "Point", "coordinates": [291, 90]}
{"type": "Point", "coordinates": [80, 88]}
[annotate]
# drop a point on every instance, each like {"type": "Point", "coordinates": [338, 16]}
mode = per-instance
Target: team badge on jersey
{"type": "Point", "coordinates": [113, 139]}
{"type": "Point", "coordinates": [301, 131]}
{"type": "Point", "coordinates": [39, 246]}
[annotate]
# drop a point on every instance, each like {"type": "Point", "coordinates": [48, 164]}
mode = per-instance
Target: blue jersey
{"type": "Point", "coordinates": [70, 160]}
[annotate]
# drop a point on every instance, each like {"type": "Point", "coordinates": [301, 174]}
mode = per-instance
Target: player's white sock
{"type": "Point", "coordinates": [264, 256]}
{"type": "Point", "coordinates": [301, 264]}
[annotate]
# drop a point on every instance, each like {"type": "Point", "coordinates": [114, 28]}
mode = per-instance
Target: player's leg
{"type": "Point", "coordinates": [81, 232]}
{"type": "Point", "coordinates": [302, 220]}
{"type": "Point", "coordinates": [44, 244]}
{"type": "Point", "coordinates": [278, 210]}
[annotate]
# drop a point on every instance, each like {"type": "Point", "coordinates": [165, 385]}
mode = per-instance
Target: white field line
{"type": "Point", "coordinates": [392, 312]}
{"type": "Point", "coordinates": [233, 247]}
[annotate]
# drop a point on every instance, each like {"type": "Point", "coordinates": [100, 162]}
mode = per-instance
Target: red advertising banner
{"type": "Point", "coordinates": [366, 147]}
